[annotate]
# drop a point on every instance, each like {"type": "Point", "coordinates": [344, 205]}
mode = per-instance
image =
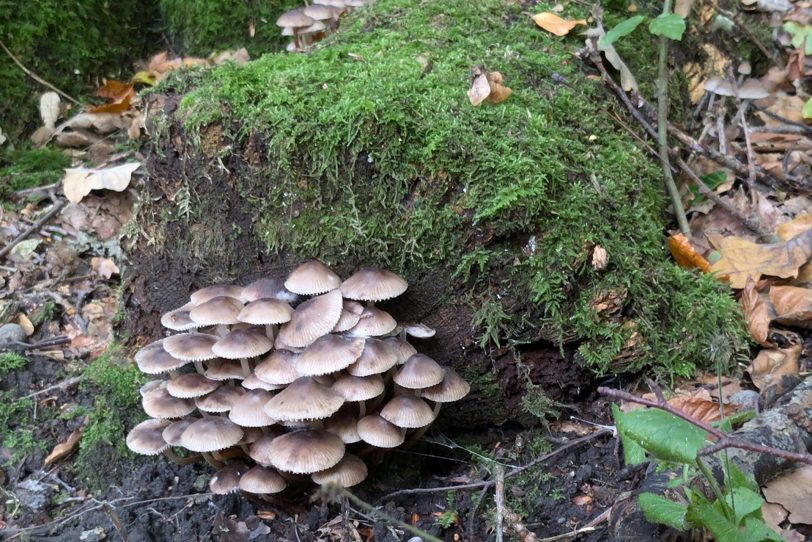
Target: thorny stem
{"type": "Point", "coordinates": [724, 441]}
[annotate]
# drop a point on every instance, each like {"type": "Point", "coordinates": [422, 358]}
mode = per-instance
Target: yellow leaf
{"type": "Point", "coordinates": [554, 24]}
{"type": "Point", "coordinates": [684, 253]}
{"type": "Point", "coordinates": [480, 89]}
{"type": "Point", "coordinates": [788, 230]}
{"type": "Point", "coordinates": [64, 449]}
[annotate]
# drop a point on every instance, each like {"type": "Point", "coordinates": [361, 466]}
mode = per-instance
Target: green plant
{"type": "Point", "coordinates": [28, 168]}
{"type": "Point", "coordinates": [10, 361]}
{"type": "Point", "coordinates": [494, 322]}
{"type": "Point", "coordinates": [450, 515]}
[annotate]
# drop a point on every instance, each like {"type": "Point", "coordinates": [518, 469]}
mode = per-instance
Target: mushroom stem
{"type": "Point", "coordinates": [199, 367]}
{"type": "Point", "coordinates": [211, 460]}
{"type": "Point", "coordinates": [222, 330]}
{"type": "Point", "coordinates": [422, 430]}
{"type": "Point", "coordinates": [362, 409]}
{"type": "Point", "coordinates": [175, 458]}
{"type": "Point", "coordinates": [246, 369]}
{"type": "Point", "coordinates": [270, 331]}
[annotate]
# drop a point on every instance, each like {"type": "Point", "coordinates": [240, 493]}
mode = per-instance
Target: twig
{"type": "Point", "coordinates": [472, 515]}
{"type": "Point", "coordinates": [751, 157]}
{"type": "Point", "coordinates": [36, 77]}
{"type": "Point", "coordinates": [514, 472]}
{"type": "Point", "coordinates": [588, 528]}
{"type": "Point", "coordinates": [499, 500]}
{"type": "Point", "coordinates": [801, 127]}
{"type": "Point", "coordinates": [34, 227]}
{"type": "Point", "coordinates": [67, 383]}
{"type": "Point", "coordinates": [724, 441]}
{"type": "Point", "coordinates": [45, 188]}
{"type": "Point", "coordinates": [45, 343]}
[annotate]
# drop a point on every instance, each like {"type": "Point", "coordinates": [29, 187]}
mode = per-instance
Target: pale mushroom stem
{"type": "Point", "coordinates": [222, 330]}
{"type": "Point", "coordinates": [211, 460]}
{"type": "Point", "coordinates": [422, 430]}
{"type": "Point", "coordinates": [199, 367]}
{"type": "Point", "coordinates": [246, 369]}
{"type": "Point", "coordinates": [362, 409]}
{"type": "Point", "coordinates": [270, 331]}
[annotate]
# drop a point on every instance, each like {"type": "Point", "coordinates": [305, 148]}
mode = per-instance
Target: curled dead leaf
{"type": "Point", "coordinates": [757, 313]}
{"type": "Point", "coordinates": [78, 182]}
{"type": "Point", "coordinates": [685, 254]}
{"type": "Point", "coordinates": [499, 93]}
{"type": "Point", "coordinates": [487, 86]}
{"type": "Point", "coordinates": [599, 258]}
{"type": "Point", "coordinates": [793, 491]}
{"type": "Point", "coordinates": [554, 24]}
{"type": "Point", "coordinates": [64, 449]}
{"type": "Point", "coordinates": [770, 364]}
{"type": "Point", "coordinates": [793, 305]}
{"type": "Point", "coordinates": [104, 267]}
{"type": "Point", "coordinates": [480, 89]}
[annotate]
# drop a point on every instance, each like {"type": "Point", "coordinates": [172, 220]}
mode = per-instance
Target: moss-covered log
{"type": "Point", "coordinates": [366, 151]}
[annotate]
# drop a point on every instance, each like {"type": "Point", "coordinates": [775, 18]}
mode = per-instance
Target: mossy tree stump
{"type": "Point", "coordinates": [366, 151]}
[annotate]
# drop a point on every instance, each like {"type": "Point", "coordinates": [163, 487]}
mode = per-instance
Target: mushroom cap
{"type": "Point", "coordinates": [250, 435]}
{"type": "Point", "coordinates": [419, 371]}
{"type": "Point", "coordinates": [146, 438]}
{"type": "Point", "coordinates": [243, 343]}
{"type": "Point", "coordinates": [153, 360]}
{"type": "Point", "coordinates": [402, 347]}
{"type": "Point", "coordinates": [452, 388]}
{"type": "Point", "coordinates": [343, 424]}
{"type": "Point", "coordinates": [152, 385]}
{"type": "Point", "coordinates": [220, 400]}
{"type": "Point", "coordinates": [262, 481]}
{"type": "Point", "coordinates": [304, 399]}
{"type": "Point", "coordinates": [329, 354]}
{"type": "Point", "coordinates": [227, 479]}
{"type": "Point", "coordinates": [375, 430]}
{"type": "Point", "coordinates": [174, 430]}
{"type": "Point", "coordinates": [217, 290]}
{"type": "Point", "coordinates": [190, 385]}
{"type": "Point", "coordinates": [260, 448]}
{"type": "Point", "coordinates": [351, 470]}
{"type": "Point", "coordinates": [407, 411]}
{"type": "Point", "coordinates": [179, 319]}
{"type": "Point", "coordinates": [373, 284]}
{"type": "Point", "coordinates": [288, 31]}
{"type": "Point", "coordinates": [297, 19]}
{"type": "Point", "coordinates": [359, 388]}
{"type": "Point", "coordinates": [211, 434]}
{"type": "Point", "coordinates": [266, 312]}
{"type": "Point", "coordinates": [320, 12]}
{"type": "Point", "coordinates": [306, 452]}
{"type": "Point", "coordinates": [224, 369]}
{"type": "Point", "coordinates": [419, 331]}
{"type": "Point", "coordinates": [373, 323]}
{"type": "Point", "coordinates": [312, 319]}
{"type": "Point", "coordinates": [267, 288]}
{"type": "Point", "coordinates": [350, 314]}
{"type": "Point", "coordinates": [158, 403]}
{"type": "Point", "coordinates": [378, 357]}
{"type": "Point", "coordinates": [220, 310]}
{"type": "Point", "coordinates": [247, 410]}
{"type": "Point", "coordinates": [191, 346]}
{"type": "Point", "coordinates": [279, 367]}
{"type": "Point", "coordinates": [253, 382]}
{"type": "Point", "coordinates": [317, 26]}
{"type": "Point", "coordinates": [312, 277]}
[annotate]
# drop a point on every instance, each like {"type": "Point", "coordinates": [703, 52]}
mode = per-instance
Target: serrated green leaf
{"type": "Point", "coordinates": [743, 502]}
{"type": "Point", "coordinates": [807, 110]}
{"type": "Point", "coordinates": [758, 531]}
{"type": "Point", "coordinates": [710, 515]}
{"type": "Point", "coordinates": [658, 509]}
{"type": "Point", "coordinates": [669, 25]}
{"type": "Point", "coordinates": [633, 453]}
{"type": "Point", "coordinates": [664, 435]}
{"type": "Point", "coordinates": [621, 29]}
{"type": "Point", "coordinates": [734, 477]}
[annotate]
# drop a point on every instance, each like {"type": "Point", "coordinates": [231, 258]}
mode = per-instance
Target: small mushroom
{"type": "Point", "coordinates": [179, 319]}
{"type": "Point", "coordinates": [227, 479]}
{"type": "Point", "coordinates": [419, 371]}
{"type": "Point", "coordinates": [329, 354]}
{"type": "Point", "coordinates": [407, 411]}
{"type": "Point", "coordinates": [378, 432]}
{"type": "Point", "coordinates": [350, 471]}
{"type": "Point", "coordinates": [306, 452]}
{"type": "Point", "coordinates": [266, 312]}
{"type": "Point", "coordinates": [312, 319]}
{"type": "Point", "coordinates": [225, 369]}
{"type": "Point", "coordinates": [344, 425]}
{"type": "Point", "coordinates": [194, 347]}
{"type": "Point", "coordinates": [373, 323]}
{"type": "Point", "coordinates": [204, 294]}
{"type": "Point", "coordinates": [377, 357]}
{"type": "Point", "coordinates": [190, 385]}
{"type": "Point", "coordinates": [146, 438]}
{"type": "Point", "coordinates": [253, 382]}
{"type": "Point", "coordinates": [154, 360]}
{"type": "Point", "coordinates": [220, 400]}
{"type": "Point", "coordinates": [158, 403]}
{"type": "Point", "coordinates": [267, 288]}
{"type": "Point", "coordinates": [242, 344]}
{"type": "Point", "coordinates": [312, 277]}
{"type": "Point", "coordinates": [402, 347]}
{"type": "Point", "coordinates": [211, 434]}
{"type": "Point", "coordinates": [304, 399]}
{"type": "Point", "coordinates": [359, 389]}
{"type": "Point", "coordinates": [373, 284]}
{"type": "Point", "coordinates": [247, 411]}
{"type": "Point", "coordinates": [279, 367]}
{"type": "Point", "coordinates": [297, 20]}
{"type": "Point", "coordinates": [262, 481]}
{"type": "Point", "coordinates": [350, 314]}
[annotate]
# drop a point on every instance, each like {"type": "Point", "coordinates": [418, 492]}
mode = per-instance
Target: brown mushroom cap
{"type": "Point", "coordinates": [247, 410]}
{"type": "Point", "coordinates": [242, 343]}
{"type": "Point", "coordinates": [279, 367]}
{"type": "Point", "coordinates": [174, 430]}
{"type": "Point", "coordinates": [146, 438]}
{"type": "Point", "coordinates": [350, 314]}
{"type": "Point", "coordinates": [344, 425]}
{"type": "Point", "coordinates": [220, 310]}
{"type": "Point", "coordinates": [419, 371]}
{"type": "Point", "coordinates": [153, 360]}
{"type": "Point", "coordinates": [179, 319]}
{"type": "Point", "coordinates": [267, 288]}
{"type": "Point", "coordinates": [304, 399]}
{"type": "Point", "coordinates": [359, 388]}
{"type": "Point", "coordinates": [373, 284]}
{"type": "Point", "coordinates": [253, 382]}
{"type": "Point", "coordinates": [329, 354]}
{"type": "Point", "coordinates": [312, 319]}
{"type": "Point", "coordinates": [306, 452]}
{"type": "Point", "coordinates": [227, 290]}
{"type": "Point", "coordinates": [452, 388]}
{"type": "Point", "coordinates": [312, 277]}
{"type": "Point", "coordinates": [375, 430]}
{"type": "Point", "coordinates": [191, 346]}
{"type": "Point", "coordinates": [402, 347]}
{"type": "Point", "coordinates": [320, 12]}
{"type": "Point", "coordinates": [262, 481]}
{"type": "Point", "coordinates": [294, 18]}
{"type": "Point", "coordinates": [260, 449]}
{"type": "Point", "coordinates": [407, 411]}
{"type": "Point", "coordinates": [227, 479]}
{"type": "Point", "coordinates": [152, 385]}
{"type": "Point", "coordinates": [351, 470]}
{"type": "Point", "coordinates": [224, 369]}
{"type": "Point", "coordinates": [373, 323]}
{"type": "Point", "coordinates": [190, 385]}
{"type": "Point", "coordinates": [211, 434]}
{"type": "Point", "coordinates": [266, 312]}
{"type": "Point", "coordinates": [378, 357]}
{"type": "Point", "coordinates": [220, 400]}
{"type": "Point", "coordinates": [158, 403]}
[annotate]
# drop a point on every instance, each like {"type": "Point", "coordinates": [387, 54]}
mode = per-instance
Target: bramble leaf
{"type": "Point", "coordinates": [633, 453]}
{"type": "Point", "coordinates": [658, 509]}
{"type": "Point", "coordinates": [669, 25]}
{"type": "Point", "coordinates": [622, 29]}
{"type": "Point", "coordinates": [664, 435]}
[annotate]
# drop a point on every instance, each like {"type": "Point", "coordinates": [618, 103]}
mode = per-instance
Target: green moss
{"type": "Point", "coordinates": [375, 126]}
{"type": "Point", "coordinates": [17, 428]}
{"type": "Point", "coordinates": [115, 378]}
{"type": "Point", "coordinates": [10, 361]}
{"type": "Point", "coordinates": [28, 168]}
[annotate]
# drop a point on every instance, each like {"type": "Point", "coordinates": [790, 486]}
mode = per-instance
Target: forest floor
{"type": "Point", "coordinates": [67, 383]}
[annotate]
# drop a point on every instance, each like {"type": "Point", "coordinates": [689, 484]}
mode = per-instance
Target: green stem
{"type": "Point", "coordinates": [662, 130]}
{"type": "Point", "coordinates": [714, 485]}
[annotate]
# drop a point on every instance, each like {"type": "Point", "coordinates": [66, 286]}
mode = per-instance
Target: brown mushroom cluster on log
{"type": "Point", "coordinates": [311, 23]}
{"type": "Point", "coordinates": [276, 380]}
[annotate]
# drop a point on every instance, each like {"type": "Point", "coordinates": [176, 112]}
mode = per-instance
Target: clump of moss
{"type": "Point", "coordinates": [10, 361]}
{"type": "Point", "coordinates": [29, 168]}
{"type": "Point", "coordinates": [17, 428]}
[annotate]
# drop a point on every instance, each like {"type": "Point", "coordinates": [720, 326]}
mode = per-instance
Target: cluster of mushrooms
{"type": "Point", "coordinates": [311, 23]}
{"type": "Point", "coordinates": [251, 380]}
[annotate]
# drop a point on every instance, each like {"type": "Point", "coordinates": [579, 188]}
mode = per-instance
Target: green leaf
{"type": "Point", "coordinates": [710, 515]}
{"type": "Point", "coordinates": [743, 502]}
{"type": "Point", "coordinates": [633, 453]}
{"type": "Point", "coordinates": [620, 30]}
{"type": "Point", "coordinates": [712, 180]}
{"type": "Point", "coordinates": [669, 25]}
{"type": "Point", "coordinates": [667, 437]}
{"type": "Point", "coordinates": [807, 110]}
{"type": "Point", "coordinates": [734, 477]}
{"type": "Point", "coordinates": [758, 531]}
{"type": "Point", "coordinates": [658, 509]}
{"type": "Point", "coordinates": [801, 35]}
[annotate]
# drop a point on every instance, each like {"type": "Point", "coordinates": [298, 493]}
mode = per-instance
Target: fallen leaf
{"type": "Point", "coordinates": [627, 80]}
{"type": "Point", "coordinates": [599, 258]}
{"type": "Point", "coordinates": [64, 449]}
{"type": "Point", "coordinates": [793, 305]}
{"type": "Point", "coordinates": [800, 224]}
{"type": "Point", "coordinates": [685, 254]}
{"type": "Point", "coordinates": [793, 491]}
{"type": "Point", "coordinates": [49, 104]}
{"type": "Point", "coordinates": [104, 267]}
{"type": "Point", "coordinates": [24, 322]}
{"type": "Point", "coordinates": [78, 182]}
{"type": "Point", "coordinates": [757, 313]}
{"type": "Point", "coordinates": [740, 258]}
{"type": "Point", "coordinates": [769, 364]}
{"type": "Point", "coordinates": [499, 93]}
{"type": "Point", "coordinates": [773, 514]}
{"type": "Point", "coordinates": [480, 89]}
{"type": "Point", "coordinates": [554, 24]}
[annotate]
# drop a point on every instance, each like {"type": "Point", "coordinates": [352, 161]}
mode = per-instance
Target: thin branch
{"type": "Point", "coordinates": [724, 440]}
{"type": "Point", "coordinates": [499, 500]}
{"type": "Point", "coordinates": [36, 77]}
{"type": "Point", "coordinates": [34, 227]}
{"type": "Point", "coordinates": [67, 383]}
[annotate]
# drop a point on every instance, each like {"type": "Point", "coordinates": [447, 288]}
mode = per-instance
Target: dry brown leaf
{"type": "Point", "coordinates": [554, 24]}
{"type": "Point", "coordinates": [480, 89]}
{"type": "Point", "coordinates": [769, 364]}
{"type": "Point", "coordinates": [793, 491]}
{"type": "Point", "coordinates": [24, 322]}
{"type": "Point", "coordinates": [697, 403]}
{"type": "Point", "coordinates": [710, 382]}
{"type": "Point", "coordinates": [119, 94]}
{"type": "Point", "coordinates": [104, 267]}
{"type": "Point", "coordinates": [794, 227]}
{"type": "Point", "coordinates": [685, 255]}
{"type": "Point", "coordinates": [793, 305]}
{"type": "Point", "coordinates": [64, 449]}
{"type": "Point", "coordinates": [78, 182]}
{"type": "Point", "coordinates": [773, 514]}
{"type": "Point", "coordinates": [741, 258]}
{"type": "Point", "coordinates": [757, 313]}
{"type": "Point", "coordinates": [683, 8]}
{"type": "Point", "coordinates": [599, 258]}
{"type": "Point", "coordinates": [499, 93]}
